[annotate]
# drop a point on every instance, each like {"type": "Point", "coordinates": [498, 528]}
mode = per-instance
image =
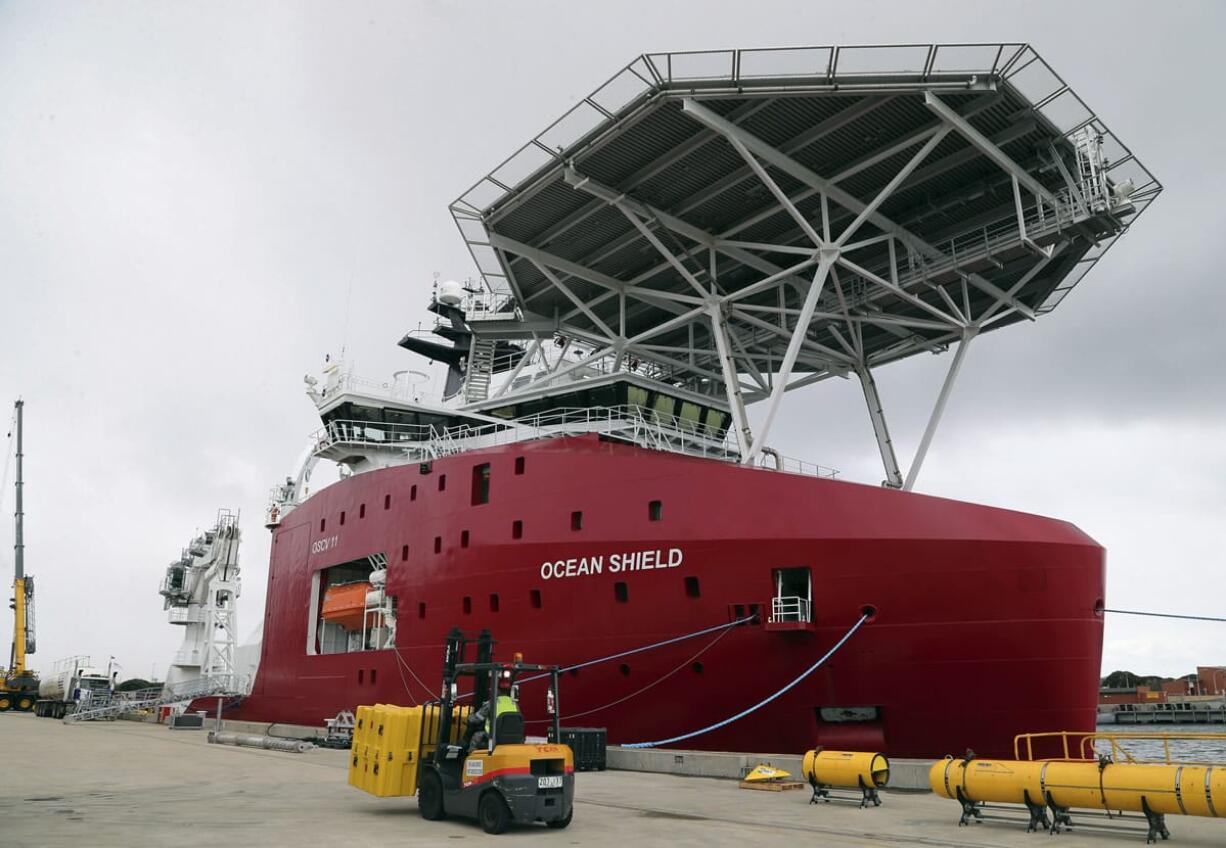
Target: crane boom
{"type": "Point", "coordinates": [18, 686]}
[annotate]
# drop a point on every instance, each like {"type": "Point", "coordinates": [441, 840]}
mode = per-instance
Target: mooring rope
{"type": "Point", "coordinates": [1166, 615]}
{"type": "Point", "coordinates": [651, 647]}
{"type": "Point", "coordinates": [638, 692]}
{"type": "Point", "coordinates": [760, 704]}
{"type": "Point", "coordinates": [663, 643]}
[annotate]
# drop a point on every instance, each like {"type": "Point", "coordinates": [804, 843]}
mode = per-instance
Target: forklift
{"type": "Point", "coordinates": [469, 760]}
{"type": "Point", "coordinates": [18, 684]}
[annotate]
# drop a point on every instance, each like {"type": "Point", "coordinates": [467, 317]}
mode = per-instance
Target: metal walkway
{"type": "Point", "coordinates": [122, 703]}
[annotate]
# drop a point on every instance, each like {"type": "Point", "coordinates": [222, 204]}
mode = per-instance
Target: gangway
{"type": "Point", "coordinates": [123, 703]}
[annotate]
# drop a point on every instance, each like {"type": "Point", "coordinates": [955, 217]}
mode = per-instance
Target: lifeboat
{"type": "Point", "coordinates": [344, 604]}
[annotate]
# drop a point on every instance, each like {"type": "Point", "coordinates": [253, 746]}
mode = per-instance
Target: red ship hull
{"type": "Point", "coordinates": [984, 623]}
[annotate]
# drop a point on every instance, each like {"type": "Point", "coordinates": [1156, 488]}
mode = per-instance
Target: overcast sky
{"type": "Point", "coordinates": [198, 201]}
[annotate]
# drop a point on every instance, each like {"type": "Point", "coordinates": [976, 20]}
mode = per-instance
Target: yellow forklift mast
{"type": "Point", "coordinates": [470, 759]}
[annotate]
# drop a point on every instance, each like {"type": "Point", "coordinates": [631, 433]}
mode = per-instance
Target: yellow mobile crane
{"type": "Point", "coordinates": [19, 685]}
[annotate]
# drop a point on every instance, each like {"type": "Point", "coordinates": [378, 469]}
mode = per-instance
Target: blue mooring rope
{"type": "Point", "coordinates": [1166, 615]}
{"type": "Point", "coordinates": [758, 705]}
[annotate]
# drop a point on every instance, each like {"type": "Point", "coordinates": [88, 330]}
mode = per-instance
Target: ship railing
{"type": "Point", "coordinates": [790, 608]}
{"type": "Point", "coordinates": [630, 423]}
{"type": "Point", "coordinates": [494, 304]}
{"type": "Point", "coordinates": [349, 383]}
{"type": "Point", "coordinates": [185, 615]}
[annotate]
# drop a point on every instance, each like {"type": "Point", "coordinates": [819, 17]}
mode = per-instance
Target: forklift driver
{"type": "Point", "coordinates": [480, 724]}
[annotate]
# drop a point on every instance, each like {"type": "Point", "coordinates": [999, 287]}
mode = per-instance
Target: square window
{"type": "Point", "coordinates": [481, 484]}
{"type": "Point", "coordinates": [468, 605]}
{"type": "Point", "coordinates": [576, 520]}
{"type": "Point", "coordinates": [494, 602]}
{"type": "Point", "coordinates": [438, 544]}
{"type": "Point", "coordinates": [621, 591]}
{"type": "Point", "coordinates": [655, 510]}
{"type": "Point", "coordinates": [442, 482]}
{"type": "Point", "coordinates": [519, 465]}
{"type": "Point", "coordinates": [691, 587]}
{"type": "Point", "coordinates": [463, 538]}
{"type": "Point", "coordinates": [534, 598]}
{"type": "Point", "coordinates": [517, 529]}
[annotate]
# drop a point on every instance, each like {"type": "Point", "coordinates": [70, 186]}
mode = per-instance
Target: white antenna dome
{"type": "Point", "coordinates": [450, 293]}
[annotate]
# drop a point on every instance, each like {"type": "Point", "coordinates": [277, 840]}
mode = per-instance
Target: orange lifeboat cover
{"type": "Point", "coordinates": [344, 604]}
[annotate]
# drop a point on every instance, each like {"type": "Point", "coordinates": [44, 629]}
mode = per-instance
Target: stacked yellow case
{"type": "Point", "coordinates": [389, 743]}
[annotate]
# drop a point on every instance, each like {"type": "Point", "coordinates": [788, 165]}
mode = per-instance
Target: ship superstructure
{"type": "Point", "coordinates": [703, 232]}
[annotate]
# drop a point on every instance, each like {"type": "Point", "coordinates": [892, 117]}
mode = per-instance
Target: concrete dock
{"type": "Point", "coordinates": [125, 783]}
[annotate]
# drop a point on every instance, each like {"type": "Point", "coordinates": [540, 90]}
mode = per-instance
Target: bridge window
{"type": "Point", "coordinates": [404, 553]}
{"type": "Point", "coordinates": [442, 482]}
{"type": "Point", "coordinates": [621, 592]}
{"type": "Point", "coordinates": [691, 587]}
{"type": "Point", "coordinates": [517, 529]}
{"type": "Point", "coordinates": [534, 598]}
{"type": "Point", "coordinates": [438, 544]}
{"type": "Point", "coordinates": [387, 501]}
{"type": "Point", "coordinates": [519, 465]}
{"type": "Point", "coordinates": [481, 484]}
{"type": "Point", "coordinates": [576, 520]}
{"type": "Point", "coordinates": [655, 510]}
{"type": "Point", "coordinates": [691, 413]}
{"type": "Point", "coordinates": [323, 522]}
{"type": "Point", "coordinates": [361, 510]}
{"type": "Point", "coordinates": [463, 538]}
{"type": "Point", "coordinates": [421, 609]}
{"type": "Point", "coordinates": [468, 605]}
{"type": "Point", "coordinates": [413, 492]}
{"type": "Point", "coordinates": [342, 518]}
{"type": "Point", "coordinates": [493, 602]}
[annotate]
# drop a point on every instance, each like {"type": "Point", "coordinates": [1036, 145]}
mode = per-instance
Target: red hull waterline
{"type": "Point", "coordinates": [985, 622]}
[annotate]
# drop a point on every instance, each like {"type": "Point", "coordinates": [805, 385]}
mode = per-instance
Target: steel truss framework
{"type": "Point", "coordinates": [753, 221]}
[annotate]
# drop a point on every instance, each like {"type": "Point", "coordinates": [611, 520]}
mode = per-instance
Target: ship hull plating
{"type": "Point", "coordinates": [983, 621]}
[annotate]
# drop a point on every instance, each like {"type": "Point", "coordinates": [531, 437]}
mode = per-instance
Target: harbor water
{"type": "Point", "coordinates": [1206, 750]}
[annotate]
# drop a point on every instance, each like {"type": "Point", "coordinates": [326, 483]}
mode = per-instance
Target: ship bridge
{"type": "Point", "coordinates": [739, 223]}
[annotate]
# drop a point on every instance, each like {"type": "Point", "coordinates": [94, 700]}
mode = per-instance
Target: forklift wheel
{"type": "Point", "coordinates": [558, 824]}
{"type": "Point", "coordinates": [6, 703]}
{"type": "Point", "coordinates": [493, 813]}
{"type": "Point", "coordinates": [430, 797]}
{"type": "Point", "coordinates": [25, 704]}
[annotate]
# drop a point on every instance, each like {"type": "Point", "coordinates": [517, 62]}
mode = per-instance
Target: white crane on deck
{"type": "Point", "coordinates": [201, 592]}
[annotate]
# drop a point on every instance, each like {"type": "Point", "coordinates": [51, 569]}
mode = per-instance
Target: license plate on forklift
{"type": "Point", "coordinates": [553, 781]}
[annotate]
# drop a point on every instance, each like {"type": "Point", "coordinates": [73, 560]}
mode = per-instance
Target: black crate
{"type": "Point", "coordinates": [588, 745]}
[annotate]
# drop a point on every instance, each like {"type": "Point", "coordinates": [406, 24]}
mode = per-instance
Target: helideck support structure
{"type": "Point", "coordinates": [742, 223]}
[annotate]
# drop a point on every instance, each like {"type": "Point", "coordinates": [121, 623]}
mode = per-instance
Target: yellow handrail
{"type": "Point", "coordinates": [1085, 749]}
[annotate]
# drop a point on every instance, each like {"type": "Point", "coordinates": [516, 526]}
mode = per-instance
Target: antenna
{"type": "Point", "coordinates": [345, 330]}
